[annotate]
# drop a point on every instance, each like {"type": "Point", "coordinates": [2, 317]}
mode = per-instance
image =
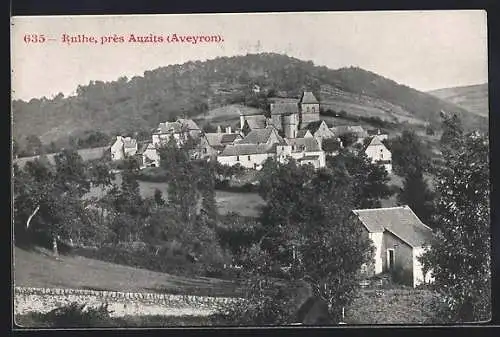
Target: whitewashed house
{"type": "Point", "coordinates": [253, 150]}
{"type": "Point", "coordinates": [123, 147]}
{"type": "Point", "coordinates": [379, 153]}
{"type": "Point", "coordinates": [399, 237]}
{"type": "Point", "coordinates": [303, 150]}
{"type": "Point", "coordinates": [251, 156]}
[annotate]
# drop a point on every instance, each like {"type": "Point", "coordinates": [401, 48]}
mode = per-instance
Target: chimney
{"type": "Point", "coordinates": [228, 129]}
{"type": "Point", "coordinates": [219, 129]}
{"type": "Point", "coordinates": [378, 131]}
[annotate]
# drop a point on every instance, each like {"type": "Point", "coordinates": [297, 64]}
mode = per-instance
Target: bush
{"type": "Point", "coordinates": [265, 304]}
{"type": "Point", "coordinates": [76, 315]}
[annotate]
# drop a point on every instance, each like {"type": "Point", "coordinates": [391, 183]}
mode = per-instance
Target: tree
{"type": "Point", "coordinates": [330, 145]}
{"type": "Point", "coordinates": [408, 155]}
{"type": "Point", "coordinates": [305, 224]}
{"type": "Point", "coordinates": [49, 196]}
{"type": "Point", "coordinates": [368, 180]}
{"type": "Point", "coordinates": [416, 194]}
{"type": "Point", "coordinates": [348, 139]}
{"type": "Point", "coordinates": [33, 145]}
{"type": "Point", "coordinates": [459, 257]}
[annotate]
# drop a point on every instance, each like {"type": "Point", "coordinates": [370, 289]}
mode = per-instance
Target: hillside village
{"type": "Point", "coordinates": [294, 129]}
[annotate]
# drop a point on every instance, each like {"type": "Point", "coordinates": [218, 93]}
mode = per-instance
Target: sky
{"type": "Point", "coordinates": [425, 50]}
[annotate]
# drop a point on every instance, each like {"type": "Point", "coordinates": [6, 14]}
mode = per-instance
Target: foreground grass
{"type": "Point", "coordinates": [36, 320]}
{"type": "Point", "coordinates": [392, 306]}
{"type": "Point", "coordinates": [32, 269]}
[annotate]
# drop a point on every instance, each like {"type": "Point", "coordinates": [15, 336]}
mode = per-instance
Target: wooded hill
{"type": "Point", "coordinates": [195, 88]}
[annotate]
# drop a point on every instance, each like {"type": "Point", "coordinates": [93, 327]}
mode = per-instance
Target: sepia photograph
{"type": "Point", "coordinates": [250, 169]}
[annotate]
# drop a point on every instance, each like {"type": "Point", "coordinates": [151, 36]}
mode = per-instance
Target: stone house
{"type": "Point", "coordinates": [212, 144]}
{"type": "Point", "coordinates": [319, 129]}
{"type": "Point", "coordinates": [149, 155]}
{"type": "Point", "coordinates": [399, 237]}
{"type": "Point", "coordinates": [379, 153]}
{"type": "Point", "coordinates": [123, 147]}
{"type": "Point", "coordinates": [180, 130]}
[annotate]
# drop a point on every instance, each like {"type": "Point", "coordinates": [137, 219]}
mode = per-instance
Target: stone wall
{"type": "Point", "coordinates": [119, 303]}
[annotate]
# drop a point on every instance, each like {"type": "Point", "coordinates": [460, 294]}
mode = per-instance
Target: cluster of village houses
{"type": "Point", "coordinates": [295, 130]}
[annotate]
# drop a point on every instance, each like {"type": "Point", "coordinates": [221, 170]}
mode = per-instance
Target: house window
{"type": "Point", "coordinates": [237, 158]}
{"type": "Point", "coordinates": [381, 155]}
{"type": "Point", "coordinates": [205, 150]}
{"type": "Point", "coordinates": [314, 109]}
{"type": "Point", "coordinates": [249, 158]}
{"type": "Point", "coordinates": [390, 259]}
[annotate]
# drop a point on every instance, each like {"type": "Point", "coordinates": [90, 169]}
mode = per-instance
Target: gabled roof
{"type": "Point", "coordinates": [304, 144]}
{"type": "Point", "coordinates": [129, 142]}
{"type": "Point", "coordinates": [302, 133]}
{"type": "Point", "coordinates": [247, 149]}
{"type": "Point", "coordinates": [400, 221]}
{"type": "Point", "coordinates": [314, 126]}
{"type": "Point", "coordinates": [256, 121]}
{"type": "Point", "coordinates": [220, 139]}
{"type": "Point", "coordinates": [308, 98]}
{"type": "Point", "coordinates": [259, 136]}
{"type": "Point", "coordinates": [228, 138]}
{"type": "Point", "coordinates": [188, 124]}
{"type": "Point", "coordinates": [375, 141]}
{"type": "Point", "coordinates": [343, 129]}
{"type": "Point", "coordinates": [142, 148]}
{"type": "Point", "coordinates": [284, 108]}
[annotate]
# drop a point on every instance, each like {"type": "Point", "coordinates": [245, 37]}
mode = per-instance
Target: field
{"type": "Point", "coordinates": [243, 203]}
{"type": "Point", "coordinates": [39, 269]}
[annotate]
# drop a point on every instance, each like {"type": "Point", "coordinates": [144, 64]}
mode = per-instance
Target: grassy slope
{"type": "Point", "coordinates": [35, 269]}
{"type": "Point", "coordinates": [473, 98]}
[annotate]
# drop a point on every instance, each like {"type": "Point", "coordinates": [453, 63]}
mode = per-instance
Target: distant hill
{"type": "Point", "coordinates": [473, 98]}
{"type": "Point", "coordinates": [196, 89]}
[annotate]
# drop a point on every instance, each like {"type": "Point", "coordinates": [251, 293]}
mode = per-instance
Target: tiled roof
{"type": "Point", "coordinates": [218, 139]}
{"type": "Point", "coordinates": [308, 98]}
{"type": "Point", "coordinates": [284, 108]}
{"type": "Point", "coordinates": [129, 143]}
{"type": "Point", "coordinates": [256, 121]}
{"type": "Point", "coordinates": [247, 149]}
{"type": "Point", "coordinates": [304, 144]}
{"type": "Point", "coordinates": [168, 127]}
{"type": "Point", "coordinates": [188, 124]}
{"type": "Point", "coordinates": [375, 141]}
{"type": "Point", "coordinates": [228, 138]}
{"type": "Point", "coordinates": [400, 221]}
{"type": "Point", "coordinates": [343, 129]}
{"type": "Point", "coordinates": [258, 136]}
{"type": "Point", "coordinates": [302, 133]}
{"type": "Point", "coordinates": [313, 126]}
{"type": "Point", "coordinates": [143, 148]}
